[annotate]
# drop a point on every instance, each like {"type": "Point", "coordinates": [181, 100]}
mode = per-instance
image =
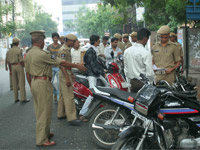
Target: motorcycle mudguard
{"type": "Point", "coordinates": [93, 106]}
{"type": "Point", "coordinates": [135, 131]}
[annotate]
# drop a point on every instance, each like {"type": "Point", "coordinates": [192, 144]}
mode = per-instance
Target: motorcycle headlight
{"type": "Point", "coordinates": [114, 84]}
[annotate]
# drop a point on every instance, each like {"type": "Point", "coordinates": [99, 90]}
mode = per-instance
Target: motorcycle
{"type": "Point", "coordinates": [170, 120]}
{"type": "Point", "coordinates": [113, 77]}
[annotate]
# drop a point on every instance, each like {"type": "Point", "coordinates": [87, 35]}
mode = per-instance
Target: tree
{"type": "Point", "coordinates": [104, 19]}
{"type": "Point", "coordinates": [41, 21]}
{"type": "Point", "coordinates": [8, 26]}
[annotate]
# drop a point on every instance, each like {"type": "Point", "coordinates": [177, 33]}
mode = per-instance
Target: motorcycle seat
{"type": "Point", "coordinates": [82, 79]}
{"type": "Point", "coordinates": [123, 95]}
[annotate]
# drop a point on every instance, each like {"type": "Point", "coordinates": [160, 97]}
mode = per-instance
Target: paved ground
{"type": "Point", "coordinates": [17, 124]}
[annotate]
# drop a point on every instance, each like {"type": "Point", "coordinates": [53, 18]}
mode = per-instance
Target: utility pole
{"type": "Point", "coordinates": [13, 14]}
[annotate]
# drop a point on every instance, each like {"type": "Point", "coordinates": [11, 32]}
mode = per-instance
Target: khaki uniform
{"type": "Point", "coordinates": [121, 46]}
{"type": "Point", "coordinates": [179, 48]}
{"type": "Point", "coordinates": [18, 77]}
{"type": "Point", "coordinates": [66, 104]}
{"type": "Point", "coordinates": [165, 57]}
{"type": "Point", "coordinates": [127, 45]}
{"type": "Point", "coordinates": [9, 67]}
{"type": "Point", "coordinates": [38, 64]}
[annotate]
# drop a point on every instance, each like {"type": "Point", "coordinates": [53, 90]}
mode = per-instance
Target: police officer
{"type": "Point", "coordinates": [173, 38]}
{"type": "Point", "coordinates": [120, 43]}
{"type": "Point", "coordinates": [165, 56]}
{"type": "Point", "coordinates": [15, 58]}
{"type": "Point", "coordinates": [66, 105]}
{"type": "Point", "coordinates": [126, 41]}
{"type": "Point", "coordinates": [134, 37]}
{"type": "Point", "coordinates": [39, 72]}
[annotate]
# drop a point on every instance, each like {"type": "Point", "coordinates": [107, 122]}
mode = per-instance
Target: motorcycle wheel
{"type": "Point", "coordinates": [127, 143]}
{"type": "Point", "coordinates": [106, 138]}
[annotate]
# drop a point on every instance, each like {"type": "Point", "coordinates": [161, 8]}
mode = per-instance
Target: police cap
{"type": "Point", "coordinates": [173, 34]}
{"type": "Point", "coordinates": [118, 36]}
{"type": "Point", "coordinates": [38, 33]}
{"type": "Point", "coordinates": [71, 37]}
{"type": "Point", "coordinates": [134, 34]}
{"type": "Point", "coordinates": [125, 35]}
{"type": "Point", "coordinates": [164, 30]}
{"type": "Point", "coordinates": [15, 40]}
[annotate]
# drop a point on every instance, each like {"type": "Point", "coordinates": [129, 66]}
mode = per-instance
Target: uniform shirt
{"type": "Point", "coordinates": [107, 53]}
{"type": "Point", "coordinates": [7, 55]}
{"type": "Point", "coordinates": [165, 57]}
{"type": "Point", "coordinates": [179, 48]}
{"type": "Point", "coordinates": [101, 48]}
{"type": "Point", "coordinates": [127, 45]}
{"type": "Point", "coordinates": [138, 60]}
{"type": "Point", "coordinates": [121, 46]}
{"type": "Point", "coordinates": [38, 62]}
{"type": "Point", "coordinates": [15, 55]}
{"type": "Point", "coordinates": [76, 55]}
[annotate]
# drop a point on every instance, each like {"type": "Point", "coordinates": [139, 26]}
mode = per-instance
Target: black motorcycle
{"type": "Point", "coordinates": [169, 120]}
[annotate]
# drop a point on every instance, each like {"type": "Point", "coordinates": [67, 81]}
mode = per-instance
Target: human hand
{"type": "Point", "coordinates": [119, 53]}
{"type": "Point", "coordinates": [68, 83]}
{"type": "Point", "coordinates": [6, 68]}
{"type": "Point", "coordinates": [168, 71]}
{"type": "Point", "coordinates": [81, 67]}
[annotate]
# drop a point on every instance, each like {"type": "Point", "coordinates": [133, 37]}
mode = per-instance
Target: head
{"type": "Point", "coordinates": [70, 40]}
{"type": "Point", "coordinates": [37, 38]}
{"type": "Point", "coordinates": [173, 37]}
{"type": "Point", "coordinates": [125, 38]}
{"type": "Point", "coordinates": [62, 40]}
{"type": "Point", "coordinates": [118, 36]}
{"type": "Point", "coordinates": [105, 40]}
{"type": "Point", "coordinates": [55, 37]}
{"type": "Point", "coordinates": [94, 40]}
{"type": "Point", "coordinates": [77, 44]}
{"type": "Point", "coordinates": [134, 36]}
{"type": "Point", "coordinates": [164, 33]}
{"type": "Point", "coordinates": [15, 41]}
{"type": "Point", "coordinates": [114, 42]}
{"type": "Point", "coordinates": [143, 36]}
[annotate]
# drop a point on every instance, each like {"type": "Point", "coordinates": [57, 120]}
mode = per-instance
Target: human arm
{"type": "Point", "coordinates": [28, 78]}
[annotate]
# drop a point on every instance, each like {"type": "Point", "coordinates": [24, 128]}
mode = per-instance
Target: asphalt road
{"type": "Point", "coordinates": [17, 124]}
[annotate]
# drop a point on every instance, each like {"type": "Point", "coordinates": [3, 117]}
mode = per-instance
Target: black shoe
{"type": "Point", "coordinates": [25, 101]}
{"type": "Point", "coordinates": [60, 118]}
{"type": "Point", "coordinates": [75, 123]}
{"type": "Point", "coordinates": [16, 101]}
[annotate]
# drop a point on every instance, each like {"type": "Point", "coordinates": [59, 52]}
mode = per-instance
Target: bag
{"type": "Point", "coordinates": [146, 99]}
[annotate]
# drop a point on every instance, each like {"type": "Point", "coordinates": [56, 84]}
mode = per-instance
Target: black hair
{"type": "Point", "coordinates": [105, 38]}
{"type": "Point", "coordinates": [114, 39]}
{"type": "Point", "coordinates": [93, 39]}
{"type": "Point", "coordinates": [142, 33]}
{"type": "Point", "coordinates": [55, 34]}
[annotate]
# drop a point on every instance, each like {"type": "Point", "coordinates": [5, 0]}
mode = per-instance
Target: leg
{"type": "Point", "coordinates": [42, 93]}
{"type": "Point", "coordinates": [21, 83]}
{"type": "Point", "coordinates": [15, 82]}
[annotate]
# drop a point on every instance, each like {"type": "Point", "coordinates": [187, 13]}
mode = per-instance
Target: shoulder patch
{"type": "Point", "coordinates": [63, 55]}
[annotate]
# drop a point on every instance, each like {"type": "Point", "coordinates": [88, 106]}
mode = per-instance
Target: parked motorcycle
{"type": "Point", "coordinates": [114, 79]}
{"type": "Point", "coordinates": [170, 120]}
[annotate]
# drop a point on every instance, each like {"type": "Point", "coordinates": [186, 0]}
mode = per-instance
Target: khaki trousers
{"type": "Point", "coordinates": [10, 77]}
{"type": "Point", "coordinates": [66, 104]}
{"type": "Point", "coordinates": [170, 78]}
{"type": "Point", "coordinates": [42, 92]}
{"type": "Point", "coordinates": [18, 80]}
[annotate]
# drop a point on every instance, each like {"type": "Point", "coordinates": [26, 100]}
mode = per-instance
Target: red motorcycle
{"type": "Point", "coordinates": [81, 85]}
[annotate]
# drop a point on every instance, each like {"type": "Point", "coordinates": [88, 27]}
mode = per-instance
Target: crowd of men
{"type": "Point", "coordinates": [43, 66]}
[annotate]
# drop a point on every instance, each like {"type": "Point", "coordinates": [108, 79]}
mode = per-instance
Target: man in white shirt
{"type": "Point", "coordinates": [102, 46]}
{"type": "Point", "coordinates": [76, 52]}
{"type": "Point", "coordinates": [138, 60]}
{"type": "Point", "coordinates": [116, 50]}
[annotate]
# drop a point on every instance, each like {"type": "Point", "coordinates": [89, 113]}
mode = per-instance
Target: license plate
{"type": "Point", "coordinates": [125, 84]}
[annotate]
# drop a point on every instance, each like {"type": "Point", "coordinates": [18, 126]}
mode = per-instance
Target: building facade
{"type": "Point", "coordinates": [71, 7]}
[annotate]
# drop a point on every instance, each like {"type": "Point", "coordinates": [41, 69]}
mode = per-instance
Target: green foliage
{"type": "Point", "coordinates": [41, 21]}
{"type": "Point", "coordinates": [9, 26]}
{"type": "Point", "coordinates": [104, 19]}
